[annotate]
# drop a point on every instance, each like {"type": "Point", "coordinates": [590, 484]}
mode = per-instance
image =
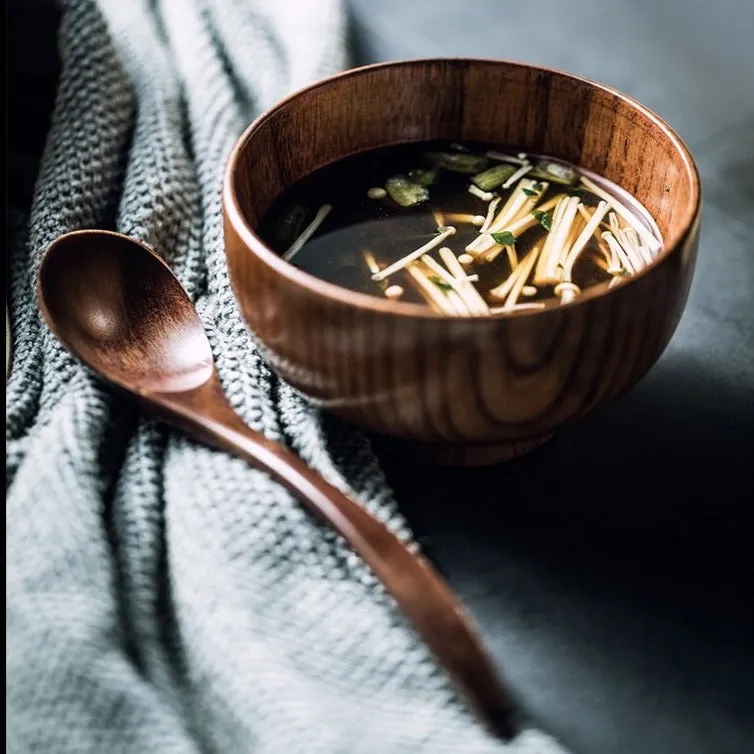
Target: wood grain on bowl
{"type": "Point", "coordinates": [461, 388]}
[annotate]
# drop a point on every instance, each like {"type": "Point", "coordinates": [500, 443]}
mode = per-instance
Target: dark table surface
{"type": "Point", "coordinates": [623, 617]}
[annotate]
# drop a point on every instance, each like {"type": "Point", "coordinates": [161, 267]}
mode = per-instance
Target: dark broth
{"type": "Point", "coordinates": [358, 224]}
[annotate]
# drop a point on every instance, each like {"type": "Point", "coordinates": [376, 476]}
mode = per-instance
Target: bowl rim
{"type": "Point", "coordinates": [364, 301]}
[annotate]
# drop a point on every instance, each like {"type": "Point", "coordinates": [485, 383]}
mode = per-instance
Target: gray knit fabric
{"type": "Point", "coordinates": [161, 596]}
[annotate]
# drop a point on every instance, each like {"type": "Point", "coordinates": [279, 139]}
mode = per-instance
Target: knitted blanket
{"type": "Point", "coordinates": [163, 596]}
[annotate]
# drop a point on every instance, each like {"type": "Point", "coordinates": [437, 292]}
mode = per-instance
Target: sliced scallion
{"type": "Point", "coordinates": [458, 162]}
{"type": "Point", "coordinates": [423, 177]}
{"type": "Point", "coordinates": [405, 192]}
{"type": "Point", "coordinates": [556, 172]}
{"type": "Point", "coordinates": [494, 176]}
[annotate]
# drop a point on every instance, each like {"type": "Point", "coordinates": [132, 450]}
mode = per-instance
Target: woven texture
{"type": "Point", "coordinates": [161, 596]}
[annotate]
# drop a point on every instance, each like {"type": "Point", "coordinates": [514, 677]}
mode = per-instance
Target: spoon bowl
{"type": "Point", "coordinates": [124, 313]}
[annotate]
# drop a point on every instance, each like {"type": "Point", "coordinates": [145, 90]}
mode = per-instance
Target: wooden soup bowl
{"type": "Point", "coordinates": [460, 390]}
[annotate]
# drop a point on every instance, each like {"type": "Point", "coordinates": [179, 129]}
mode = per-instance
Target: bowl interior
{"type": "Point", "coordinates": [521, 106]}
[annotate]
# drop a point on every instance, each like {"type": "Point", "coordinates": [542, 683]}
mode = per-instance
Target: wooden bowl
{"type": "Point", "coordinates": [460, 390]}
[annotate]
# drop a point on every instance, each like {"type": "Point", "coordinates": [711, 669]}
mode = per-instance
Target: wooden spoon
{"type": "Point", "coordinates": [116, 306]}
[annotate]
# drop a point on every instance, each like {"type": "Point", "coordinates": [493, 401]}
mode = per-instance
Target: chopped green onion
{"type": "Point", "coordinates": [544, 219]}
{"type": "Point", "coordinates": [405, 192]}
{"type": "Point", "coordinates": [494, 176]}
{"type": "Point", "coordinates": [440, 283]}
{"type": "Point", "coordinates": [504, 237]}
{"type": "Point", "coordinates": [423, 177]}
{"type": "Point", "coordinates": [554, 171]}
{"type": "Point", "coordinates": [458, 162]}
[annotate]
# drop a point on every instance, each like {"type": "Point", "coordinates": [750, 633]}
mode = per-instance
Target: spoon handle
{"type": "Point", "coordinates": [419, 590]}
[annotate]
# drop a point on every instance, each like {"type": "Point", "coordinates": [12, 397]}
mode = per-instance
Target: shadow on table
{"type": "Point", "coordinates": [645, 488]}
{"type": "Point", "coordinates": [611, 571]}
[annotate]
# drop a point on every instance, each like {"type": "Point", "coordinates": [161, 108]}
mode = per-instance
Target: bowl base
{"type": "Point", "coordinates": [457, 454]}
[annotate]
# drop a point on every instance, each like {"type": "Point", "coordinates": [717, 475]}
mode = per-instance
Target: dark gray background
{"type": "Point", "coordinates": [624, 617]}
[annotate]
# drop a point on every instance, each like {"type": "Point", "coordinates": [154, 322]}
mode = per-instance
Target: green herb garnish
{"type": "Point", "coordinates": [442, 284]}
{"type": "Point", "coordinates": [529, 192]}
{"type": "Point", "coordinates": [504, 237]}
{"type": "Point", "coordinates": [544, 219]}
